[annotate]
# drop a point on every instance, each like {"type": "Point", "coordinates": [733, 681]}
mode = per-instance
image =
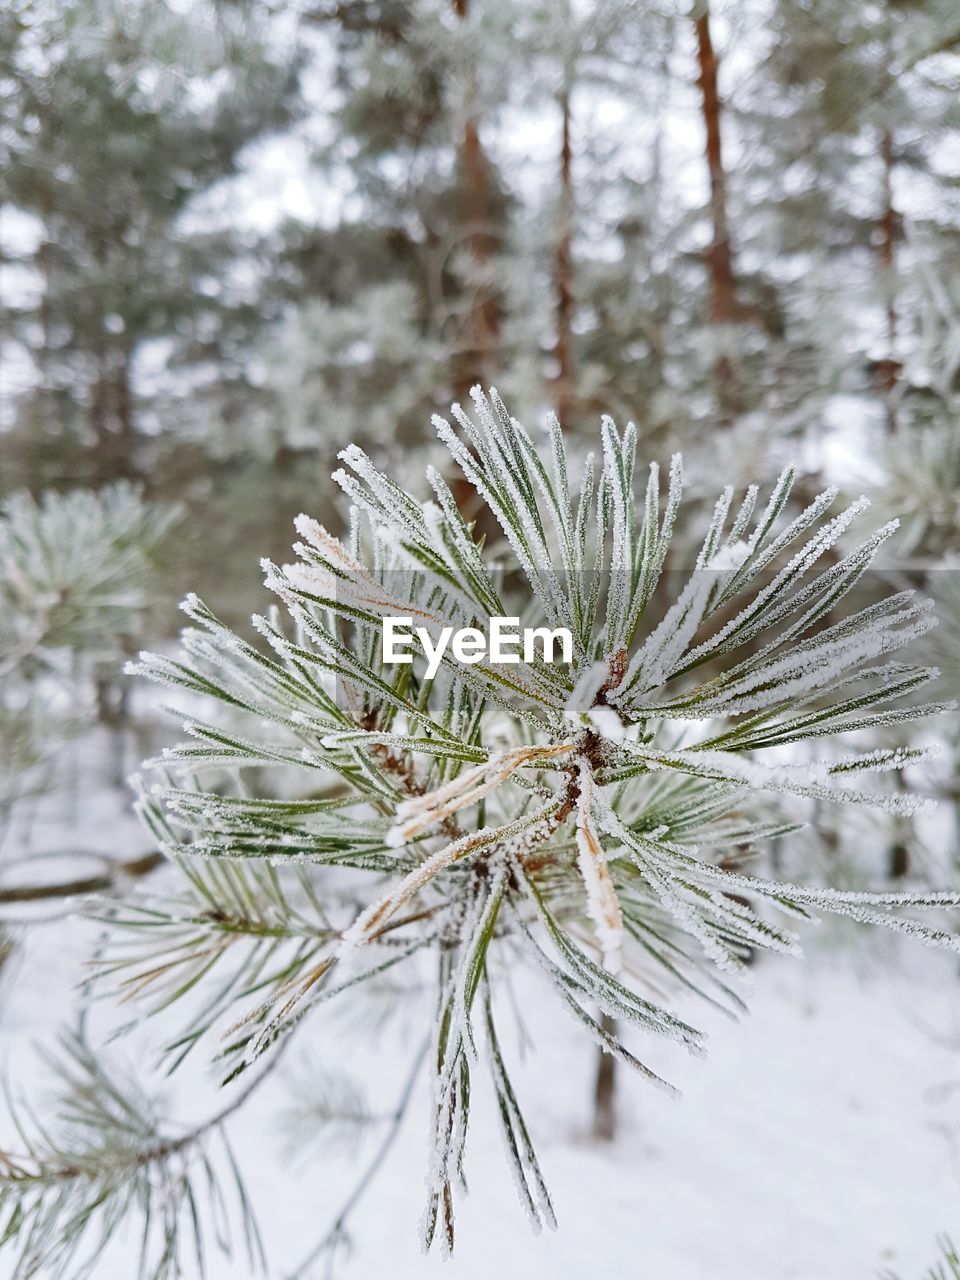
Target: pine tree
{"type": "Point", "coordinates": [78, 576]}
{"type": "Point", "coordinates": [723, 293]}
{"type": "Point", "coordinates": [571, 53]}
{"type": "Point", "coordinates": [586, 819]}
{"type": "Point", "coordinates": [844, 125]}
{"type": "Point", "coordinates": [109, 138]}
{"type": "Point", "coordinates": [400, 301]}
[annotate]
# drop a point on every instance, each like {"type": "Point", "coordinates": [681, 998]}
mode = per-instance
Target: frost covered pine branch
{"type": "Point", "coordinates": [111, 1157]}
{"type": "Point", "coordinates": [590, 817]}
{"type": "Point", "coordinates": [78, 573]}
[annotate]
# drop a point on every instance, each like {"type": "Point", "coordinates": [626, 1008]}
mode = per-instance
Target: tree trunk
{"type": "Point", "coordinates": [605, 1090]}
{"type": "Point", "coordinates": [566, 375]}
{"type": "Point", "coordinates": [723, 294]}
{"type": "Point", "coordinates": [111, 416]}
{"type": "Point", "coordinates": [899, 863]}
{"type": "Point", "coordinates": [474, 359]}
{"type": "Point", "coordinates": [903, 833]}
{"type": "Point", "coordinates": [889, 367]}
{"type": "Point", "coordinates": [99, 423]}
{"type": "Point", "coordinates": [124, 408]}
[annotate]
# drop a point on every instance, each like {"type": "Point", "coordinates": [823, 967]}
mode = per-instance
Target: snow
{"type": "Point", "coordinates": [811, 1143]}
{"type": "Point", "coordinates": [805, 1146]}
{"type": "Point", "coordinates": [808, 1145]}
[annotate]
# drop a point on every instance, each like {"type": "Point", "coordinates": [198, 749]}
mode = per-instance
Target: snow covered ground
{"type": "Point", "coordinates": [813, 1143]}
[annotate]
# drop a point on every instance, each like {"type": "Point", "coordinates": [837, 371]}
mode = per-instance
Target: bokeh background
{"type": "Point", "coordinates": [236, 236]}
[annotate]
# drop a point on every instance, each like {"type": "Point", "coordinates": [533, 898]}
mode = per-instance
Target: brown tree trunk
{"type": "Point", "coordinates": [723, 293]}
{"type": "Point", "coordinates": [605, 1090]}
{"type": "Point", "coordinates": [474, 359]}
{"type": "Point", "coordinates": [565, 380]}
{"type": "Point", "coordinates": [100, 425]}
{"type": "Point", "coordinates": [903, 833]}
{"type": "Point", "coordinates": [889, 369]}
{"type": "Point", "coordinates": [124, 410]}
{"type": "Point", "coordinates": [42, 396]}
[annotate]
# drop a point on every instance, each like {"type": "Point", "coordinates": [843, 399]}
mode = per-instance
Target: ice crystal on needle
{"type": "Point", "coordinates": [591, 816]}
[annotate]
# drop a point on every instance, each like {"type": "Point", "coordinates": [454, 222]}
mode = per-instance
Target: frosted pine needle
{"type": "Point", "coordinates": [590, 820]}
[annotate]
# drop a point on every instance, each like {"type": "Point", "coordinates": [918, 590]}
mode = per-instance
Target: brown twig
{"type": "Point", "coordinates": [110, 878]}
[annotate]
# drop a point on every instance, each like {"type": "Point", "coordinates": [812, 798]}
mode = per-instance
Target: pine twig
{"type": "Point", "coordinates": [336, 1232]}
{"type": "Point", "coordinates": [106, 881]}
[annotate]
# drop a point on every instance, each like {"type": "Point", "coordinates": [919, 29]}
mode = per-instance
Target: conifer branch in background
{"type": "Point", "coordinates": [78, 578]}
{"type": "Point", "coordinates": [76, 570]}
{"type": "Point", "coordinates": [68, 1187]}
{"type": "Point", "coordinates": [948, 1268]}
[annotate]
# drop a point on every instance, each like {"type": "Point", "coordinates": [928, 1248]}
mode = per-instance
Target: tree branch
{"type": "Point", "coordinates": [336, 1232]}
{"type": "Point", "coordinates": [109, 878]}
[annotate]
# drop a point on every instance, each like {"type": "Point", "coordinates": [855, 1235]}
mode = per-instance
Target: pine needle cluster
{"type": "Point", "coordinates": [335, 818]}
